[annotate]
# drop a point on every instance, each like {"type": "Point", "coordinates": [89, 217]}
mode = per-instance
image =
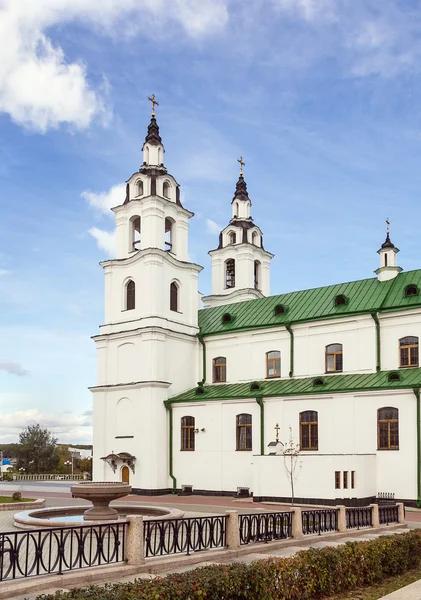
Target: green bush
{"type": "Point", "coordinates": [309, 575]}
{"type": "Point", "coordinates": [17, 496]}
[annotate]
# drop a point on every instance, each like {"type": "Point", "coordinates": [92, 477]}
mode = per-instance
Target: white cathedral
{"type": "Point", "coordinates": [188, 397]}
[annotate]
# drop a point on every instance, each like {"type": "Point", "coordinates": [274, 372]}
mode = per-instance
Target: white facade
{"type": "Point", "coordinates": [165, 417]}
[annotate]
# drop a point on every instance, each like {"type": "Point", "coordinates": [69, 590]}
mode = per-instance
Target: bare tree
{"type": "Point", "coordinates": [292, 464]}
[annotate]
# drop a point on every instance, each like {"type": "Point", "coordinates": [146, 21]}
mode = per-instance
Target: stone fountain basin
{"type": "Point", "coordinates": [72, 516]}
{"type": "Point", "coordinates": [100, 493]}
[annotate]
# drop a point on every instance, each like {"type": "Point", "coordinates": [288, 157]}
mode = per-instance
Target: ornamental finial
{"type": "Point", "coordinates": [277, 428]}
{"type": "Point", "coordinates": [154, 102]}
{"type": "Point", "coordinates": [242, 164]}
{"type": "Point", "coordinates": [387, 226]}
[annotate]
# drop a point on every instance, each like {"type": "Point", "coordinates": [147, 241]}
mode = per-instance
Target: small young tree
{"type": "Point", "coordinates": [37, 452]}
{"type": "Point", "coordinates": [292, 464]}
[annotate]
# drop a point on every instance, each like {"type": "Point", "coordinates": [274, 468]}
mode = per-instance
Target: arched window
{"type": "Point", "coordinates": [135, 233]}
{"type": "Point", "coordinates": [256, 275]}
{"type": "Point", "coordinates": [232, 238]}
{"type": "Point", "coordinates": [408, 351]}
{"type": "Point", "coordinates": [244, 432]}
{"type": "Point", "coordinates": [139, 187]}
{"type": "Point", "coordinates": [309, 430]}
{"type": "Point", "coordinates": [219, 369]}
{"type": "Point", "coordinates": [388, 428]}
{"type": "Point", "coordinates": [230, 273]}
{"type": "Point", "coordinates": [174, 296]}
{"type": "Point", "coordinates": [169, 235]}
{"type": "Point", "coordinates": [385, 260]}
{"type": "Point", "coordinates": [166, 189]}
{"type": "Point", "coordinates": [130, 295]}
{"type": "Point", "coordinates": [255, 238]}
{"type": "Point", "coordinates": [273, 364]}
{"type": "Point", "coordinates": [187, 433]}
{"type": "Point", "coordinates": [236, 209]}
{"type": "Point", "coordinates": [334, 363]}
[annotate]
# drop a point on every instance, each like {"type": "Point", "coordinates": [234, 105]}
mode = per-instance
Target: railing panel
{"type": "Point", "coordinates": [357, 517]}
{"type": "Point", "coordinates": [388, 514]}
{"type": "Point", "coordinates": [175, 536]}
{"type": "Point", "coordinates": [264, 527]}
{"type": "Point", "coordinates": [56, 550]}
{"type": "Point", "coordinates": [319, 521]}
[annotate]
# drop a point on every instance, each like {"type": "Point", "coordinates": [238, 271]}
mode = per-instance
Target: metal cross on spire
{"type": "Point", "coordinates": [387, 226]}
{"type": "Point", "coordinates": [277, 428]}
{"type": "Point", "coordinates": [154, 102]}
{"type": "Point", "coordinates": [242, 164]}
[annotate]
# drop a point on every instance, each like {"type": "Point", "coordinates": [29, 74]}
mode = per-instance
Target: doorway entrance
{"type": "Point", "coordinates": [125, 476]}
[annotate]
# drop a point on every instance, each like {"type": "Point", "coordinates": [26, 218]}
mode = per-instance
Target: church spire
{"type": "Point", "coordinates": [241, 187]}
{"type": "Point", "coordinates": [388, 251]}
{"type": "Point", "coordinates": [153, 149]}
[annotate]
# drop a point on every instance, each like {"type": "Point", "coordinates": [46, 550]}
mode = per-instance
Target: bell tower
{"type": "Point", "coordinates": [240, 264]}
{"type": "Point", "coordinates": [150, 326]}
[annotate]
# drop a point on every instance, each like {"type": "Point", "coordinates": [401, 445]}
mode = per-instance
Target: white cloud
{"type": "Point", "coordinates": [4, 272]}
{"type": "Point", "coordinates": [12, 368]}
{"type": "Point", "coordinates": [104, 201]}
{"type": "Point", "coordinates": [67, 427]}
{"type": "Point", "coordinates": [212, 227]}
{"type": "Point", "coordinates": [40, 89]}
{"type": "Point", "coordinates": [104, 239]}
{"type": "Point", "coordinates": [310, 10]}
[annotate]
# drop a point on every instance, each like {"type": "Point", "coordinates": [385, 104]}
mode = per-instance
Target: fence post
{"type": "Point", "coordinates": [233, 529]}
{"type": "Point", "coordinates": [401, 512]}
{"type": "Point", "coordinates": [341, 518]}
{"type": "Point", "coordinates": [135, 551]}
{"type": "Point", "coordinates": [297, 524]}
{"type": "Point", "coordinates": [375, 515]}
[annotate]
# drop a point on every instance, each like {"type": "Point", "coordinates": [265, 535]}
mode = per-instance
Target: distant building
{"type": "Point", "coordinates": [80, 453]}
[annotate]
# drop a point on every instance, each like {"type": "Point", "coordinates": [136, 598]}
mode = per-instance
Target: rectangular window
{"type": "Point", "coordinates": [345, 480]}
{"type": "Point", "coordinates": [352, 479]}
{"type": "Point", "coordinates": [244, 432]}
{"type": "Point", "coordinates": [337, 480]}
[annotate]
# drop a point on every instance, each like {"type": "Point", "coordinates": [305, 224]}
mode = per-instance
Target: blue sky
{"type": "Point", "coordinates": [322, 98]}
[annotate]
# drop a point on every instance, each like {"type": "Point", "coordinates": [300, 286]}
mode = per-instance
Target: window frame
{"type": "Point", "coordinates": [276, 363]}
{"type": "Point", "coordinates": [243, 439]}
{"type": "Point", "coordinates": [188, 434]}
{"type": "Point", "coordinates": [389, 422]}
{"type": "Point", "coordinates": [337, 480]}
{"type": "Point", "coordinates": [310, 425]}
{"type": "Point", "coordinates": [174, 295]}
{"type": "Point", "coordinates": [408, 347]}
{"type": "Point", "coordinates": [219, 366]}
{"type": "Point", "coordinates": [130, 294]}
{"type": "Point", "coordinates": [335, 354]}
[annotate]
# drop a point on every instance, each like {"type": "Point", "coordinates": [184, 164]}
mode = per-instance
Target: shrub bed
{"type": "Point", "coordinates": [309, 575]}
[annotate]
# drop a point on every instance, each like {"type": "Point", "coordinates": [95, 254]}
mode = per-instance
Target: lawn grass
{"type": "Point", "coordinates": [9, 499]}
{"type": "Point", "coordinates": [382, 589]}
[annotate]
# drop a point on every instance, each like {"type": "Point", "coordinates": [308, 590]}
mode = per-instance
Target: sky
{"type": "Point", "coordinates": [322, 98]}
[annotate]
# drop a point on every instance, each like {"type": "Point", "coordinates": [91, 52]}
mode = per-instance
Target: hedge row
{"type": "Point", "coordinates": [309, 575]}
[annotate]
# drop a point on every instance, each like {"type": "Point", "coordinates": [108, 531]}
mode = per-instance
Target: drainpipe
{"type": "Point", "coordinates": [200, 338]}
{"type": "Point", "coordinates": [259, 401]}
{"type": "Point", "coordinates": [417, 396]}
{"type": "Point", "coordinates": [291, 352]}
{"type": "Point", "coordinates": [378, 347]}
{"type": "Point", "coordinates": [174, 480]}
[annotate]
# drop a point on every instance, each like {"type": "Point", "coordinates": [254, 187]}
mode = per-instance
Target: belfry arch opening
{"type": "Point", "coordinates": [135, 229]}
{"type": "Point", "coordinates": [169, 235]}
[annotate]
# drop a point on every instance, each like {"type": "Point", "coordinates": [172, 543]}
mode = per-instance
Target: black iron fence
{"type": "Point", "coordinates": [388, 514]}
{"type": "Point", "coordinates": [358, 517]}
{"type": "Point", "coordinates": [174, 536]}
{"type": "Point", "coordinates": [264, 527]}
{"type": "Point", "coordinates": [319, 521]}
{"type": "Point", "coordinates": [385, 498]}
{"type": "Point", "coordinates": [42, 551]}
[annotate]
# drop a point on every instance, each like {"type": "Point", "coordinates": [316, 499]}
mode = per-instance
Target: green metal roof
{"type": "Point", "coordinates": [363, 296]}
{"type": "Point", "coordinates": [409, 378]}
